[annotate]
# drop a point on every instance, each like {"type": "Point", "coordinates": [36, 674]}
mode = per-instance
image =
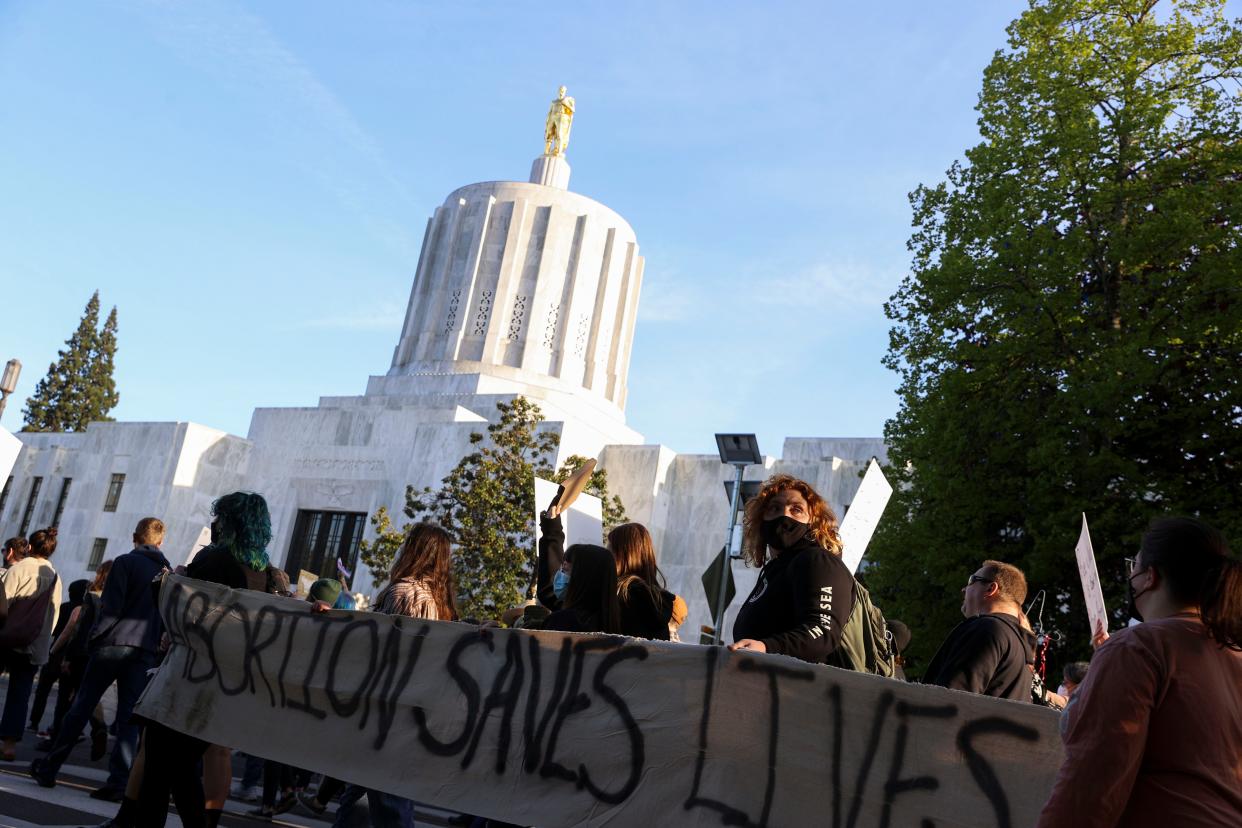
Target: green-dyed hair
{"type": "Point", "coordinates": [244, 527]}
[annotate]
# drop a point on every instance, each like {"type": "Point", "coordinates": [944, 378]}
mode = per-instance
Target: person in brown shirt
{"type": "Point", "coordinates": [1153, 736]}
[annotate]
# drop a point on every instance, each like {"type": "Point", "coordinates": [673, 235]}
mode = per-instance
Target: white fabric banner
{"type": "Point", "coordinates": [864, 515]}
{"type": "Point", "coordinates": [557, 729]}
{"type": "Point", "coordinates": [1097, 613]}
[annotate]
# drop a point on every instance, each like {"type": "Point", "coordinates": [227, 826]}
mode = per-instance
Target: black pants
{"type": "Point", "coordinates": [48, 676]}
{"type": "Point", "coordinates": [64, 697]}
{"type": "Point", "coordinates": [173, 766]}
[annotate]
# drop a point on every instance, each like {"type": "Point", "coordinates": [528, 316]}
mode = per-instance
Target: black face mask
{"type": "Point", "coordinates": [1132, 598]}
{"type": "Point", "coordinates": [783, 532]}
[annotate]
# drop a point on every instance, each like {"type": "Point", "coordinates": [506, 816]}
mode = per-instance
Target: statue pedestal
{"type": "Point", "coordinates": [550, 171]}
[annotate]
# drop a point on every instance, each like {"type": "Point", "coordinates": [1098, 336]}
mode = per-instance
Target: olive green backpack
{"type": "Point", "coordinates": [866, 644]}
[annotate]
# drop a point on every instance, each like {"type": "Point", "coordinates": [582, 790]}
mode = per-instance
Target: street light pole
{"type": "Point", "coordinates": [8, 382]}
{"type": "Point", "coordinates": [726, 560]}
{"type": "Point", "coordinates": [738, 451]}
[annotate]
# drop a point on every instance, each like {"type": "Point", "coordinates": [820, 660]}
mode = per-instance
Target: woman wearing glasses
{"type": "Point", "coordinates": [1154, 735]}
{"type": "Point", "coordinates": [804, 594]}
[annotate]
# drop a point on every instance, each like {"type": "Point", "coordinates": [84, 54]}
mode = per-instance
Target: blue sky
{"type": "Point", "coordinates": [249, 185]}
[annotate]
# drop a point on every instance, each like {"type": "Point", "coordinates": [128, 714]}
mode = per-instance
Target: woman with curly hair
{"type": "Point", "coordinates": [804, 594]}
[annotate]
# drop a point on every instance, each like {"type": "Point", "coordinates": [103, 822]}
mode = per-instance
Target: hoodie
{"type": "Point", "coordinates": [987, 655]}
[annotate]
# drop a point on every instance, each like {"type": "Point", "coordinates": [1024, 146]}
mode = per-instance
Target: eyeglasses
{"type": "Point", "coordinates": [979, 579]}
{"type": "Point", "coordinates": [1131, 565]}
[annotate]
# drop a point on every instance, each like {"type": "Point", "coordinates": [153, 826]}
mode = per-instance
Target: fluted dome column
{"type": "Point", "coordinates": [528, 282]}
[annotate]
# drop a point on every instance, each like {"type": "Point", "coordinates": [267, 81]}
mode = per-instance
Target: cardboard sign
{"type": "Point", "coordinates": [559, 729]}
{"type": "Point", "coordinates": [306, 580]}
{"type": "Point", "coordinates": [864, 515]}
{"type": "Point", "coordinates": [1097, 614]}
{"type": "Point", "coordinates": [583, 521]}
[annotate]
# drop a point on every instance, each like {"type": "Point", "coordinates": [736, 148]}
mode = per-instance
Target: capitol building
{"type": "Point", "coordinates": [523, 288]}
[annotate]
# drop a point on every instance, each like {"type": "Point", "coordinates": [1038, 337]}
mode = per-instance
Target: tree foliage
{"type": "Point", "coordinates": [488, 503]}
{"type": "Point", "coordinates": [79, 388]}
{"type": "Point", "coordinates": [1068, 338]}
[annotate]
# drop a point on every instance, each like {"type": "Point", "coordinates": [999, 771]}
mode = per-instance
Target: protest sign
{"type": "Point", "coordinates": [864, 515]}
{"type": "Point", "coordinates": [1097, 614]}
{"type": "Point", "coordinates": [559, 729]}
{"type": "Point", "coordinates": [10, 447]}
{"type": "Point", "coordinates": [583, 521]}
{"type": "Point", "coordinates": [306, 580]}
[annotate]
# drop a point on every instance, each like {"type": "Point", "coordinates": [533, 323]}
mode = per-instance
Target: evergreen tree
{"type": "Point", "coordinates": [488, 503]}
{"type": "Point", "coordinates": [1069, 338]}
{"type": "Point", "coordinates": [79, 388]}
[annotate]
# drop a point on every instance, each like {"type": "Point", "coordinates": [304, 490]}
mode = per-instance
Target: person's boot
{"type": "Point", "coordinates": [40, 773]}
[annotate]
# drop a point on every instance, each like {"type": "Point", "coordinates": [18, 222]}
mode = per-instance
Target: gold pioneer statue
{"type": "Point", "coordinates": [560, 118]}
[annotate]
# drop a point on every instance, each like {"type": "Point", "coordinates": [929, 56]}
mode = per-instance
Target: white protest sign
{"type": "Point", "coordinates": [864, 515]}
{"type": "Point", "coordinates": [1097, 614]}
{"type": "Point", "coordinates": [584, 520]}
{"type": "Point", "coordinates": [560, 729]}
{"type": "Point", "coordinates": [10, 447]}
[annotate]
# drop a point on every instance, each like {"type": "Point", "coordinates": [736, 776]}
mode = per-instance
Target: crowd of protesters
{"type": "Point", "coordinates": [1152, 730]}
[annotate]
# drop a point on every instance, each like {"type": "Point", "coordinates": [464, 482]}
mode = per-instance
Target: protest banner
{"type": "Point", "coordinates": [864, 515]}
{"type": "Point", "coordinates": [559, 729]}
{"type": "Point", "coordinates": [1097, 613]}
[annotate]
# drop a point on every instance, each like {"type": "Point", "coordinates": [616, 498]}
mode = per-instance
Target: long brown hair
{"type": "Point", "coordinates": [823, 520]}
{"type": "Point", "coordinates": [632, 549]}
{"type": "Point", "coordinates": [427, 555]}
{"type": "Point", "coordinates": [592, 591]}
{"type": "Point", "coordinates": [1195, 562]}
{"type": "Point", "coordinates": [101, 576]}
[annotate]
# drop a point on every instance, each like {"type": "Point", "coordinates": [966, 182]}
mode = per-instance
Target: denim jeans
{"type": "Point", "coordinates": [17, 700]}
{"type": "Point", "coordinates": [127, 666]}
{"type": "Point", "coordinates": [386, 810]}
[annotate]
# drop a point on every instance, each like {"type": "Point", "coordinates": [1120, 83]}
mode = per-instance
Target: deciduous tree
{"type": "Point", "coordinates": [1069, 337]}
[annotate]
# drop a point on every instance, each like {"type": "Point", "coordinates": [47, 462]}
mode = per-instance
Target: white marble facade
{"type": "Point", "coordinates": [522, 288]}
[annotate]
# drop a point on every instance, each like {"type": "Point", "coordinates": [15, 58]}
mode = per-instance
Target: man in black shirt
{"type": "Point", "coordinates": [988, 653]}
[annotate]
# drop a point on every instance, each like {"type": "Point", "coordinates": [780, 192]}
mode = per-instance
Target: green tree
{"type": "Point", "coordinates": [79, 388]}
{"type": "Point", "coordinates": [1068, 338]}
{"type": "Point", "coordinates": [488, 502]}
{"type": "Point", "coordinates": [379, 553]}
{"type": "Point", "coordinates": [611, 508]}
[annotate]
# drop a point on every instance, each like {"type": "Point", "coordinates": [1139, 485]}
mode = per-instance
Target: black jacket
{"type": "Point", "coordinates": [799, 605]}
{"type": "Point", "coordinates": [216, 564]}
{"type": "Point", "coordinates": [987, 655]}
{"type": "Point", "coordinates": [128, 616]}
{"type": "Point", "coordinates": [551, 553]}
{"type": "Point", "coordinates": [645, 616]}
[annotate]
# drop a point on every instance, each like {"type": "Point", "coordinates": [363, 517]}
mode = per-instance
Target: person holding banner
{"type": "Point", "coordinates": [647, 608]}
{"type": "Point", "coordinates": [1154, 735]}
{"type": "Point", "coordinates": [805, 593]}
{"type": "Point", "coordinates": [237, 558]}
{"type": "Point", "coordinates": [420, 585]}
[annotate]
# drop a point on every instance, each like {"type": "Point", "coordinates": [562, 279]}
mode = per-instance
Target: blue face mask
{"type": "Point", "coordinates": [560, 584]}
